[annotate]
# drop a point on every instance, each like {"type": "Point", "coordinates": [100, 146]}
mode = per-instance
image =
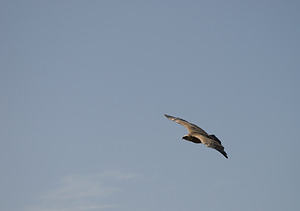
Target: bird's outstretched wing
{"type": "Point", "coordinates": [189, 126]}
{"type": "Point", "coordinates": [212, 142]}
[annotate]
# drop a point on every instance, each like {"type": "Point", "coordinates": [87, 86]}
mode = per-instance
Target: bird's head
{"type": "Point", "coordinates": [186, 137]}
{"type": "Point", "coordinates": [191, 138]}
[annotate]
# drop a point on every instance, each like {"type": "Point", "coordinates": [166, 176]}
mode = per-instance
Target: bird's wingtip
{"type": "Point", "coordinates": [166, 115]}
{"type": "Point", "coordinates": [223, 153]}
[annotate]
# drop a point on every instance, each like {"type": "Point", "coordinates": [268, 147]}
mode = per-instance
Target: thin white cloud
{"type": "Point", "coordinates": [119, 175]}
{"type": "Point", "coordinates": [79, 187]}
{"type": "Point", "coordinates": [82, 192]}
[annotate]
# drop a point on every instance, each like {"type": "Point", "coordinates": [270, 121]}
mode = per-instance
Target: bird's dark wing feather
{"type": "Point", "coordinates": [215, 138]}
{"type": "Point", "coordinates": [223, 152]}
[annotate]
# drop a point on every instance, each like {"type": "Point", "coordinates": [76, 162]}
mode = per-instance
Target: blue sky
{"type": "Point", "coordinates": [84, 86]}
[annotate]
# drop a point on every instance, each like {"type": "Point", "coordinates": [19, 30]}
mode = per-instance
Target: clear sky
{"type": "Point", "coordinates": [84, 86]}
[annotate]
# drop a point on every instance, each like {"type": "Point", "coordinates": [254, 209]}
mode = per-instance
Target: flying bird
{"type": "Point", "coordinates": [198, 136]}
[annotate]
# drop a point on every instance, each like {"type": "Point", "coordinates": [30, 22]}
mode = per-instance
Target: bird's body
{"type": "Point", "coordinates": [197, 135]}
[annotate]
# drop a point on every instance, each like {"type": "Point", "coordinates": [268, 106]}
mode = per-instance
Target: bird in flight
{"type": "Point", "coordinates": [197, 135]}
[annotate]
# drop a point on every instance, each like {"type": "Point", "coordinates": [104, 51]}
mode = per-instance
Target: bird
{"type": "Point", "coordinates": [198, 135]}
